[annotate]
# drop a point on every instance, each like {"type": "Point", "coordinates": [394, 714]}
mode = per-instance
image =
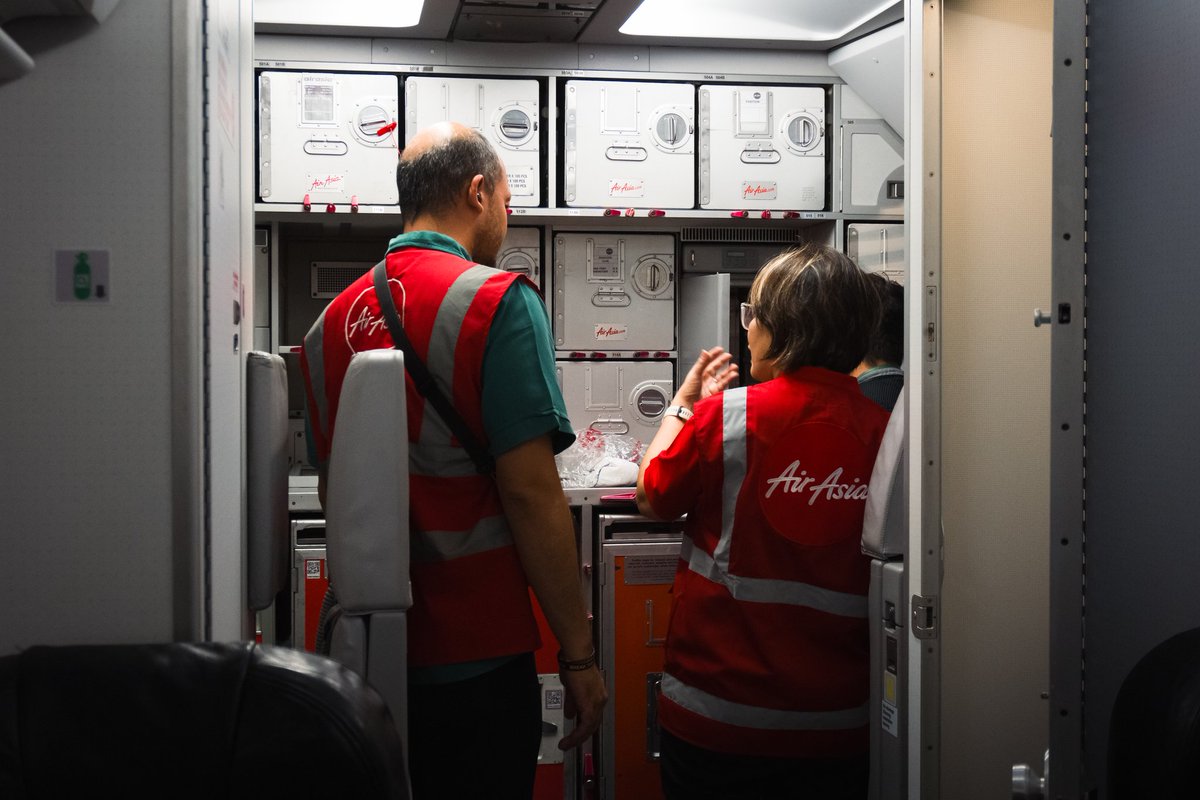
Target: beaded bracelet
{"type": "Point", "coordinates": [579, 665]}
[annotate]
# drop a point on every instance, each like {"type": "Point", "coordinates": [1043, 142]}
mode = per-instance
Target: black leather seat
{"type": "Point", "coordinates": [1154, 738]}
{"type": "Point", "coordinates": [208, 720]}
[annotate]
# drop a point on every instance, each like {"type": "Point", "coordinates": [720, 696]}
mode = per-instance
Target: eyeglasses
{"type": "Point", "coordinates": [747, 315]}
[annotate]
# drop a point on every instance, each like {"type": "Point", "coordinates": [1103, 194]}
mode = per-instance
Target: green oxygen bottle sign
{"type": "Point", "coordinates": [81, 276]}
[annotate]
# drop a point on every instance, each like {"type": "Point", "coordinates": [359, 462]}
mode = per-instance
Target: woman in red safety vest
{"type": "Point", "coordinates": [765, 688]}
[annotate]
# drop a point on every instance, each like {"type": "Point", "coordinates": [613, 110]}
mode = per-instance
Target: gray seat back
{"type": "Point", "coordinates": [366, 525]}
{"type": "Point", "coordinates": [266, 478]}
{"type": "Point", "coordinates": [885, 522]}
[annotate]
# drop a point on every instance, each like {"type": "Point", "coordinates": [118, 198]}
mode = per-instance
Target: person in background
{"type": "Point", "coordinates": [879, 375]}
{"type": "Point", "coordinates": [765, 689]}
{"type": "Point", "coordinates": [479, 541]}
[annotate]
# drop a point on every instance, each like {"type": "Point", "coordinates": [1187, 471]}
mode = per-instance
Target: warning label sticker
{"type": "Point", "coordinates": [649, 569]}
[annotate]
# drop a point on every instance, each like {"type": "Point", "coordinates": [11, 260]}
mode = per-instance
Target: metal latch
{"type": "Point", "coordinates": [924, 616]}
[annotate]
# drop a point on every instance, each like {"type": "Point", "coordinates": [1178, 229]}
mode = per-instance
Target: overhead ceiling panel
{"type": "Point", "coordinates": [516, 21]}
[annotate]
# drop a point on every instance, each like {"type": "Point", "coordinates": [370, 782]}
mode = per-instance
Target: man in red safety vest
{"type": "Point", "coordinates": [478, 541]}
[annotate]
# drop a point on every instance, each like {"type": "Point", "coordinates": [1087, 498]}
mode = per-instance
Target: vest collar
{"type": "Point", "coordinates": [429, 240]}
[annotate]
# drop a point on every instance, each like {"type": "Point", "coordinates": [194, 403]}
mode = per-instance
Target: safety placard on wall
{"type": "Point", "coordinates": [641, 570]}
{"type": "Point", "coordinates": [888, 713]}
{"type": "Point", "coordinates": [81, 276]}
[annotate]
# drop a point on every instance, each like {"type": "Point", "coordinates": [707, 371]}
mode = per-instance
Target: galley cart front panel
{"type": "Point", "coordinates": [327, 138]}
{"type": "Point", "coordinates": [522, 253]}
{"type": "Point", "coordinates": [877, 247]}
{"type": "Point", "coordinates": [629, 144]}
{"type": "Point", "coordinates": [506, 112]}
{"type": "Point", "coordinates": [614, 292]}
{"type": "Point", "coordinates": [623, 398]}
{"type": "Point", "coordinates": [636, 603]}
{"type": "Point", "coordinates": [762, 147]}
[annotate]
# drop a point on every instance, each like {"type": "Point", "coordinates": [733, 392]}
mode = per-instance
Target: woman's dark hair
{"type": "Point", "coordinates": [431, 181]}
{"type": "Point", "coordinates": [887, 342]}
{"type": "Point", "coordinates": [818, 306]}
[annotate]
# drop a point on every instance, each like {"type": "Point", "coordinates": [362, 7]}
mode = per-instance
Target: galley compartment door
{"type": "Point", "coordinates": [624, 398]}
{"type": "Point", "coordinates": [505, 111]}
{"type": "Point", "coordinates": [318, 137]}
{"type": "Point", "coordinates": [762, 147]}
{"type": "Point", "coordinates": [522, 253]}
{"type": "Point", "coordinates": [629, 144]}
{"type": "Point", "coordinates": [614, 292]}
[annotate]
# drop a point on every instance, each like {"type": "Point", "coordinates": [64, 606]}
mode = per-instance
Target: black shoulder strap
{"type": "Point", "coordinates": [484, 463]}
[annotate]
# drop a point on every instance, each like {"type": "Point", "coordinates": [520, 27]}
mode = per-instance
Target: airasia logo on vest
{"type": "Point", "coordinates": [813, 484]}
{"type": "Point", "coordinates": [365, 323]}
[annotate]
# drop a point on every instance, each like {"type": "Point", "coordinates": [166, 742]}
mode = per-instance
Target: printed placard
{"type": "Point", "coordinates": [521, 183]}
{"type": "Point", "coordinates": [611, 332]}
{"type": "Point", "coordinates": [312, 569]}
{"type": "Point", "coordinates": [328, 182]}
{"type": "Point", "coordinates": [81, 276]}
{"type": "Point", "coordinates": [760, 190]}
{"type": "Point", "coordinates": [889, 714]}
{"type": "Point", "coordinates": [627, 187]}
{"type": "Point", "coordinates": [644, 570]}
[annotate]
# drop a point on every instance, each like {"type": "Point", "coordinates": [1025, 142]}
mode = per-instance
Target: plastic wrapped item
{"type": "Point", "coordinates": [599, 459]}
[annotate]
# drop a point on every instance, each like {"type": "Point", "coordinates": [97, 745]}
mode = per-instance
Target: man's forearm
{"type": "Point", "coordinates": [544, 535]}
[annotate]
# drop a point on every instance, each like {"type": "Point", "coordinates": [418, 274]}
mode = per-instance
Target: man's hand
{"type": "Point", "coordinates": [585, 701]}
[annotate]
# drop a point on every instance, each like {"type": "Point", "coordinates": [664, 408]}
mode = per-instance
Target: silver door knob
{"type": "Point", "coordinates": [1041, 318]}
{"type": "Point", "coordinates": [1027, 784]}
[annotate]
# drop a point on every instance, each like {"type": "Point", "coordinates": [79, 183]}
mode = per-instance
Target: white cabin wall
{"type": "Point", "coordinates": [996, 393]}
{"type": "Point", "coordinates": [86, 431]}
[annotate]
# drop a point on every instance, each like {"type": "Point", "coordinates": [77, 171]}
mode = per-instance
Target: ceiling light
{"type": "Point", "coordinates": [770, 20]}
{"type": "Point", "coordinates": [344, 13]}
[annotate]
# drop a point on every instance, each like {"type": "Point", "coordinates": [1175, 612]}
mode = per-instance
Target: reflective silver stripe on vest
{"type": "Point", "coordinates": [746, 716]}
{"type": "Point", "coordinates": [733, 449]}
{"type": "Point", "coordinates": [443, 342]}
{"type": "Point", "coordinates": [314, 354]}
{"type": "Point", "coordinates": [772, 590]}
{"type": "Point", "coordinates": [490, 533]}
{"type": "Point", "coordinates": [440, 461]}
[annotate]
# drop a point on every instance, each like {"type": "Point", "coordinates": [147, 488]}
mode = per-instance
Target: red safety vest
{"type": "Point", "coordinates": [470, 593]}
{"type": "Point", "coordinates": [767, 650]}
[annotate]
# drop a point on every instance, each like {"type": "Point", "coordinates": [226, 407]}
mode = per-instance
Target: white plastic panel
{"type": "Point", "coordinates": [617, 397]}
{"type": "Point", "coordinates": [762, 147]}
{"type": "Point", "coordinates": [318, 138]}
{"type": "Point", "coordinates": [877, 247]}
{"type": "Point", "coordinates": [874, 67]}
{"type": "Point", "coordinates": [614, 292]}
{"type": "Point", "coordinates": [506, 112]}
{"type": "Point", "coordinates": [522, 253]}
{"type": "Point", "coordinates": [629, 144]}
{"type": "Point", "coordinates": [872, 169]}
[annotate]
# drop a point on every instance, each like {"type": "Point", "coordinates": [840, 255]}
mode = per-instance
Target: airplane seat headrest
{"type": "Point", "coordinates": [885, 521]}
{"type": "Point", "coordinates": [1154, 735]}
{"type": "Point", "coordinates": [234, 719]}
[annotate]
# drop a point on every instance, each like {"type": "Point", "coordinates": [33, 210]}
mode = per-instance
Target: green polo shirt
{"type": "Point", "coordinates": [518, 343]}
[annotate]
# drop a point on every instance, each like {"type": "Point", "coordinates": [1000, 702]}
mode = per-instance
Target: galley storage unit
{"type": "Point", "coordinates": [629, 143]}
{"type": "Point", "coordinates": [327, 138]}
{"type": "Point", "coordinates": [506, 112]}
{"type": "Point", "coordinates": [762, 147]}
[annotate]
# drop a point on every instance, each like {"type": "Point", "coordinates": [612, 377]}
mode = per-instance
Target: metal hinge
{"type": "Point", "coordinates": [924, 616]}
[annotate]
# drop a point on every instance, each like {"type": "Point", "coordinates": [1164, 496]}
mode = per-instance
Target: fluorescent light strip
{"type": "Point", "coordinates": [768, 20]}
{"type": "Point", "coordinates": [343, 13]}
